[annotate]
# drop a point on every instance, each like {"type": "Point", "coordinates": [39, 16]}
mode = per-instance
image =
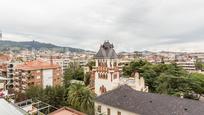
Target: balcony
{"type": "Point", "coordinates": [24, 80]}
{"type": "Point", "coordinates": [10, 73]}
{"type": "Point", "coordinates": [23, 74]}
{"type": "Point", "coordinates": [16, 78]}
{"type": "Point", "coordinates": [24, 86]}
{"type": "Point", "coordinates": [16, 83]}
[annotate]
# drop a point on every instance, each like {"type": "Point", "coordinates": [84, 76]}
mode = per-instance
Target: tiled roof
{"type": "Point", "coordinates": [126, 98]}
{"type": "Point", "coordinates": [4, 58]}
{"type": "Point", "coordinates": [36, 65]}
{"type": "Point", "coordinates": [66, 111]}
{"type": "Point", "coordinates": [106, 51]}
{"type": "Point", "coordinates": [3, 67]}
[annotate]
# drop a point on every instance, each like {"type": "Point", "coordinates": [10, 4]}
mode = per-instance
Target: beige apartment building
{"type": "Point", "coordinates": [36, 73]}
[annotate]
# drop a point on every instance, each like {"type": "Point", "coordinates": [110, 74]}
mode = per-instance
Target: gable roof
{"type": "Point", "coordinates": [126, 98]}
{"type": "Point", "coordinates": [106, 51]}
{"type": "Point", "coordinates": [66, 111]}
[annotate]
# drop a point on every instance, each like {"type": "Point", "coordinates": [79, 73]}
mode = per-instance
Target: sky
{"type": "Point", "coordinates": [156, 25]}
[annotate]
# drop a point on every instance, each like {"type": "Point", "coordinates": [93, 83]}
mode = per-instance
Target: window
{"type": "Point", "coordinates": [99, 109]}
{"type": "Point", "coordinates": [115, 76]}
{"type": "Point", "coordinates": [38, 77]}
{"type": "Point", "coordinates": [38, 71]}
{"type": "Point", "coordinates": [108, 111]}
{"type": "Point", "coordinates": [119, 113]}
{"type": "Point", "coordinates": [32, 77]}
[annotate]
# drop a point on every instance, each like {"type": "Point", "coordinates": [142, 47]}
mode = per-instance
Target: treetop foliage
{"type": "Point", "coordinates": [168, 79]}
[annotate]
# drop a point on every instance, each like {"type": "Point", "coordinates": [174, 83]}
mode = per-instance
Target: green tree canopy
{"type": "Point", "coordinates": [74, 71]}
{"type": "Point", "coordinates": [91, 64]}
{"type": "Point", "coordinates": [81, 98]}
{"type": "Point", "coordinates": [199, 64]}
{"type": "Point", "coordinates": [55, 96]}
{"type": "Point", "coordinates": [168, 78]}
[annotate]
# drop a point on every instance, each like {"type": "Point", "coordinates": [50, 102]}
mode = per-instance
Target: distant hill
{"type": "Point", "coordinates": [13, 45]}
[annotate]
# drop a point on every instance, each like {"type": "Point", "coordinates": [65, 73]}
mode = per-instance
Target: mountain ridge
{"type": "Point", "coordinates": [18, 45]}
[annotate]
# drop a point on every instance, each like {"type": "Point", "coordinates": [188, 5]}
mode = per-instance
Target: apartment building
{"type": "Point", "coordinates": [62, 61]}
{"type": "Point", "coordinates": [6, 69]}
{"type": "Point", "coordinates": [187, 65]}
{"type": "Point", "coordinates": [36, 73]}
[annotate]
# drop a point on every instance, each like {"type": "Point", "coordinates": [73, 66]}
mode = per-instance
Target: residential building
{"type": "Point", "coordinates": [3, 83]}
{"type": "Point", "coordinates": [126, 101]}
{"type": "Point", "coordinates": [37, 73]}
{"type": "Point", "coordinates": [62, 61]}
{"type": "Point", "coordinates": [187, 65]}
{"type": "Point", "coordinates": [66, 111]}
{"type": "Point", "coordinates": [6, 70]}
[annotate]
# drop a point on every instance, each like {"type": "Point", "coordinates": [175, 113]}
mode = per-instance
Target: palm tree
{"type": "Point", "coordinates": [81, 98]}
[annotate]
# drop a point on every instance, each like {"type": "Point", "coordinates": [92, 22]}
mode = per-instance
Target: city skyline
{"type": "Point", "coordinates": [136, 25]}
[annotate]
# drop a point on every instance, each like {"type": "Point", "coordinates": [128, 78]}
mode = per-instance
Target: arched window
{"type": "Point", "coordinates": [115, 76]}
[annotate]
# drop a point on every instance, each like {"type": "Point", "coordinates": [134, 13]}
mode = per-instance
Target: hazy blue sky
{"type": "Point", "coordinates": [176, 25]}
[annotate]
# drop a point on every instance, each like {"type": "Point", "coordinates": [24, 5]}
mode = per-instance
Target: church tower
{"type": "Point", "coordinates": [107, 71]}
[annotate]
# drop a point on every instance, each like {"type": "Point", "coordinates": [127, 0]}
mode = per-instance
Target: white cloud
{"type": "Point", "coordinates": [129, 24]}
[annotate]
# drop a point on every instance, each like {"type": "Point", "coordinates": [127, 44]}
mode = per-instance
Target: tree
{"type": "Point", "coordinates": [87, 79]}
{"type": "Point", "coordinates": [199, 64]}
{"type": "Point", "coordinates": [67, 77]}
{"type": "Point", "coordinates": [55, 96]}
{"type": "Point", "coordinates": [172, 85]}
{"type": "Point", "coordinates": [81, 98]}
{"type": "Point", "coordinates": [134, 66]}
{"type": "Point", "coordinates": [90, 64]}
{"type": "Point", "coordinates": [74, 71]}
{"type": "Point", "coordinates": [168, 79]}
{"type": "Point", "coordinates": [196, 82]}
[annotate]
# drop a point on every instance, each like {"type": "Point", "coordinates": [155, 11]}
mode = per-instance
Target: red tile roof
{"type": "Point", "coordinates": [3, 67]}
{"type": "Point", "coordinates": [36, 65]}
{"type": "Point", "coordinates": [4, 58]}
{"type": "Point", "coordinates": [66, 111]}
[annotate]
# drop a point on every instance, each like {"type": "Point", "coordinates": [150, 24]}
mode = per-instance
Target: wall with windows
{"type": "Point", "coordinates": [47, 78]}
{"type": "Point", "coordinates": [109, 110]}
{"type": "Point", "coordinates": [106, 75]}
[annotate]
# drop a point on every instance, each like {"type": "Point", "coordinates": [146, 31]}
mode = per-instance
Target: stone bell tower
{"type": "Point", "coordinates": [107, 71]}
